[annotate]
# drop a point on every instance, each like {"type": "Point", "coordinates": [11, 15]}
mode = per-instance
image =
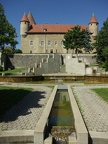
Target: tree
{"type": "Point", "coordinates": [74, 38]}
{"type": "Point", "coordinates": [7, 31]}
{"type": "Point", "coordinates": [9, 50]}
{"type": "Point", "coordinates": [87, 42]}
{"type": "Point", "coordinates": [101, 45]}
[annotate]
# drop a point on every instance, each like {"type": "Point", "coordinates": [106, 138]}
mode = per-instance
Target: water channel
{"type": "Point", "coordinates": [61, 121]}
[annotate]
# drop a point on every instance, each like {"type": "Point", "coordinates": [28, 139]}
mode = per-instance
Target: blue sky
{"type": "Point", "coordinates": [55, 11]}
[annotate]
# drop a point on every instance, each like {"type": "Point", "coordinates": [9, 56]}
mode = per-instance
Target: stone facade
{"type": "Point", "coordinates": [43, 43]}
{"type": "Point", "coordinates": [48, 38]}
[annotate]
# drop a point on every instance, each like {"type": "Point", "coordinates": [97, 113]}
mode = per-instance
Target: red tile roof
{"type": "Point", "coordinates": [24, 18]}
{"type": "Point", "coordinates": [93, 19]}
{"type": "Point", "coordinates": [31, 19]}
{"type": "Point", "coordinates": [53, 28]}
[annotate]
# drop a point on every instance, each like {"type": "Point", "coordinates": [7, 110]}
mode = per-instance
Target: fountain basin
{"type": "Point", "coordinates": [81, 136]}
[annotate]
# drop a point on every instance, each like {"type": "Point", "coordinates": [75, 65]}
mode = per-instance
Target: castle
{"type": "Point", "coordinates": [48, 38]}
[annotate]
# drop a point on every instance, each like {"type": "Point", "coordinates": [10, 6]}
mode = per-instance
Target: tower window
{"type": "Point", "coordinates": [31, 43]}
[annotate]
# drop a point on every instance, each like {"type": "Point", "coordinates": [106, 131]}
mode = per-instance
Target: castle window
{"type": "Point", "coordinates": [49, 43]}
{"type": "Point", "coordinates": [55, 43]}
{"type": "Point", "coordinates": [42, 43]}
{"type": "Point", "coordinates": [31, 43]}
{"type": "Point", "coordinates": [62, 43]}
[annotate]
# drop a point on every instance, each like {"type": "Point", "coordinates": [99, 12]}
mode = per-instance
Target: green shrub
{"type": "Point", "coordinates": [1, 68]}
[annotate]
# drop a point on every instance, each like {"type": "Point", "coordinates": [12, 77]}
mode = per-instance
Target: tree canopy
{"type": "Point", "coordinates": [87, 41]}
{"type": "Point", "coordinates": [77, 39]}
{"type": "Point", "coordinates": [7, 31]}
{"type": "Point", "coordinates": [101, 45]}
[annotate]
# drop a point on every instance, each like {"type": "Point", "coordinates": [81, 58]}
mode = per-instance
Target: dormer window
{"type": "Point", "coordinates": [44, 29]}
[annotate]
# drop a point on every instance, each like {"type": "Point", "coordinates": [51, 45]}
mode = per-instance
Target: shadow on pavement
{"type": "Point", "coordinates": [23, 107]}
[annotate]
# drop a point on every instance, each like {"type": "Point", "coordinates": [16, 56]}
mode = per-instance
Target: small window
{"type": "Point", "coordinates": [31, 43]}
{"type": "Point", "coordinates": [42, 43]}
{"type": "Point", "coordinates": [62, 43]}
{"type": "Point", "coordinates": [49, 43]}
{"type": "Point", "coordinates": [55, 43]}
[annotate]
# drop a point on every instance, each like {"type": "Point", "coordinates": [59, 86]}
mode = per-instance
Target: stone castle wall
{"type": "Point", "coordinates": [29, 60]}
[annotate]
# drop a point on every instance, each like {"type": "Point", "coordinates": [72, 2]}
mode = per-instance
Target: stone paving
{"type": "Point", "coordinates": [26, 113]}
{"type": "Point", "coordinates": [94, 109]}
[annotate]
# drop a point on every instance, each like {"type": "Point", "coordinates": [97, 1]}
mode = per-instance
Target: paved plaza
{"type": "Point", "coordinates": [26, 113]}
{"type": "Point", "coordinates": [94, 109]}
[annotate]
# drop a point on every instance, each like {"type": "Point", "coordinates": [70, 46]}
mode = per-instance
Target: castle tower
{"type": "Point", "coordinates": [93, 26]}
{"type": "Point", "coordinates": [24, 26]}
{"type": "Point", "coordinates": [31, 19]}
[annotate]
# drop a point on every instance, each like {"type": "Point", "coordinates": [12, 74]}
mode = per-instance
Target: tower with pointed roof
{"type": "Point", "coordinates": [93, 27]}
{"type": "Point", "coordinates": [24, 25]}
{"type": "Point", "coordinates": [31, 19]}
{"type": "Point", "coordinates": [48, 38]}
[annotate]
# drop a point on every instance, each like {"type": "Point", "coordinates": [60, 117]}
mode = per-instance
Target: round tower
{"type": "Point", "coordinates": [93, 26]}
{"type": "Point", "coordinates": [24, 26]}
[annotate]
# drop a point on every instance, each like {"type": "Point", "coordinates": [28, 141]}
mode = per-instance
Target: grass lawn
{"type": "Point", "coordinates": [10, 96]}
{"type": "Point", "coordinates": [14, 70]}
{"type": "Point", "coordinates": [102, 92]}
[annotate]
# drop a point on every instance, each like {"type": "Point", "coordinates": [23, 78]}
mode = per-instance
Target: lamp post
{"type": "Point", "coordinates": [45, 30]}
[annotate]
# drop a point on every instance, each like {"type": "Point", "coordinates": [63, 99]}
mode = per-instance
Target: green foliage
{"type": "Point", "coordinates": [1, 68]}
{"type": "Point", "coordinates": [7, 31]}
{"type": "Point", "coordinates": [87, 41]}
{"type": "Point", "coordinates": [9, 50]}
{"type": "Point", "coordinates": [77, 39]}
{"type": "Point", "coordinates": [101, 45]}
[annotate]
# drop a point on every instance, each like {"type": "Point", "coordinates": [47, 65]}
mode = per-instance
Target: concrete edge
{"type": "Point", "coordinates": [99, 137]}
{"type": "Point", "coordinates": [81, 131]}
{"type": "Point", "coordinates": [16, 135]}
{"type": "Point", "coordinates": [40, 127]}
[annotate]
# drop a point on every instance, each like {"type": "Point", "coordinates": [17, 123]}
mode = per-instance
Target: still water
{"type": "Point", "coordinates": [61, 121]}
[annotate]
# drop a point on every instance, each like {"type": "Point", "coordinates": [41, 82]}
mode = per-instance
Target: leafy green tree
{"type": "Point", "coordinates": [9, 50]}
{"type": "Point", "coordinates": [7, 31]}
{"type": "Point", "coordinates": [101, 45]}
{"type": "Point", "coordinates": [74, 38]}
{"type": "Point", "coordinates": [87, 42]}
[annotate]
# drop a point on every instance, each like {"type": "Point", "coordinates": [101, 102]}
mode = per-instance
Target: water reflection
{"type": "Point", "coordinates": [61, 121]}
